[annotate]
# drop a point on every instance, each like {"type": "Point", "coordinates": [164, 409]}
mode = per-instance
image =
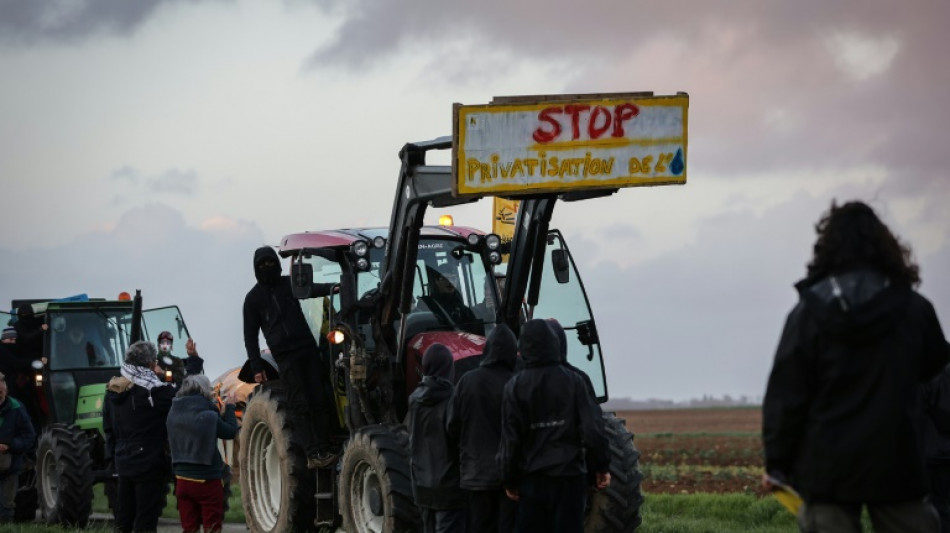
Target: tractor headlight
{"type": "Point", "coordinates": [473, 239]}
{"type": "Point", "coordinates": [492, 241]}
{"type": "Point", "coordinates": [359, 248]}
{"type": "Point", "coordinates": [362, 264]}
{"type": "Point", "coordinates": [494, 257]}
{"type": "Point", "coordinates": [379, 242]}
{"type": "Point", "coordinates": [336, 336]}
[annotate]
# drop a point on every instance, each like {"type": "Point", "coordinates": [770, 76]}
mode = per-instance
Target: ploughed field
{"type": "Point", "coordinates": [687, 451]}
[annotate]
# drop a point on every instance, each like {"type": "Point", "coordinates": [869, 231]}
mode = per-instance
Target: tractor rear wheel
{"type": "Point", "coordinates": [64, 476]}
{"type": "Point", "coordinates": [375, 487]}
{"type": "Point", "coordinates": [617, 508]}
{"type": "Point", "coordinates": [277, 489]}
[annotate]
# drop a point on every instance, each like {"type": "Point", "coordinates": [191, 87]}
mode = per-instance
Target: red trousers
{"type": "Point", "coordinates": [200, 504]}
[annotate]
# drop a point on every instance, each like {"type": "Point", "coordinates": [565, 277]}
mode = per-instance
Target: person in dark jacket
{"type": "Point", "coordinates": [16, 439]}
{"type": "Point", "coordinates": [30, 330]}
{"type": "Point", "coordinates": [935, 397]}
{"type": "Point", "coordinates": [841, 413]}
{"type": "Point", "coordinates": [133, 419]}
{"type": "Point", "coordinates": [195, 424]}
{"type": "Point", "coordinates": [549, 438]}
{"type": "Point", "coordinates": [270, 307]}
{"type": "Point", "coordinates": [17, 367]}
{"type": "Point", "coordinates": [434, 464]}
{"type": "Point", "coordinates": [192, 364]}
{"type": "Point", "coordinates": [474, 421]}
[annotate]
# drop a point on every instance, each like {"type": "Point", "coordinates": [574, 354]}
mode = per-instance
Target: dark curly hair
{"type": "Point", "coordinates": [852, 236]}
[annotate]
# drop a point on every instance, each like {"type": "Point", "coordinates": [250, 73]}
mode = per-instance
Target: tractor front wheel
{"type": "Point", "coordinates": [617, 508]}
{"type": "Point", "coordinates": [64, 476]}
{"type": "Point", "coordinates": [375, 488]}
{"type": "Point", "coordinates": [277, 490]}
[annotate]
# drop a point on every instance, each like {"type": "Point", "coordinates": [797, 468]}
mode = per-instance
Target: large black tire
{"type": "Point", "coordinates": [277, 490]}
{"type": "Point", "coordinates": [375, 487]}
{"type": "Point", "coordinates": [617, 509]}
{"type": "Point", "coordinates": [64, 476]}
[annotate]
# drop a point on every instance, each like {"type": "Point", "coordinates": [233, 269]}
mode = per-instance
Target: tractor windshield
{"type": "Point", "coordinates": [453, 289]}
{"type": "Point", "coordinates": [90, 338]}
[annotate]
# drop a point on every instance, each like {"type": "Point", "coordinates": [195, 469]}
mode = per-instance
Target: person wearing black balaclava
{"type": "Point", "coordinates": [549, 438]}
{"type": "Point", "coordinates": [270, 307]}
{"type": "Point", "coordinates": [434, 463]}
{"type": "Point", "coordinates": [29, 332]}
{"type": "Point", "coordinates": [474, 420]}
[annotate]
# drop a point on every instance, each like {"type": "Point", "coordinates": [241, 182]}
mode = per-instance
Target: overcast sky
{"type": "Point", "coordinates": [155, 144]}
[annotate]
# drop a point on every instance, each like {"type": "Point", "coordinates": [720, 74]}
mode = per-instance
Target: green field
{"type": "Point", "coordinates": [662, 513]}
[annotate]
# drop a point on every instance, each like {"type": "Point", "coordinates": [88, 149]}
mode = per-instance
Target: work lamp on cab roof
{"type": "Point", "coordinates": [359, 248]}
{"type": "Point", "coordinates": [379, 241]}
{"type": "Point", "coordinates": [492, 241]}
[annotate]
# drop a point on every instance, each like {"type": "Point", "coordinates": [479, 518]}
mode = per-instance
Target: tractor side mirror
{"type": "Point", "coordinates": [561, 265]}
{"type": "Point", "coordinates": [301, 279]}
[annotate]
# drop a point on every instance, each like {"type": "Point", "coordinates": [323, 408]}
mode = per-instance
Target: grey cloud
{"type": "Point", "coordinates": [174, 181]}
{"type": "Point", "coordinates": [70, 21]}
{"type": "Point", "coordinates": [125, 173]}
{"type": "Point", "coordinates": [766, 91]}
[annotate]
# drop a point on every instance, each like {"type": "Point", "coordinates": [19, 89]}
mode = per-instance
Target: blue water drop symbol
{"type": "Point", "coordinates": [678, 165]}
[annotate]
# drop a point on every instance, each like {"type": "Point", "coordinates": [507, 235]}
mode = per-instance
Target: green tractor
{"type": "Point", "coordinates": [83, 347]}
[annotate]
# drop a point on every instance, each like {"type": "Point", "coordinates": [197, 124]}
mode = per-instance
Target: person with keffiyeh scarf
{"type": "Point", "coordinates": [133, 418]}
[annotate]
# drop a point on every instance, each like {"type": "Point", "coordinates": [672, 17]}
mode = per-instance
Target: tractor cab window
{"type": "Point", "coordinates": [88, 338]}
{"type": "Point", "coordinates": [563, 298]}
{"type": "Point", "coordinates": [452, 289]}
{"type": "Point", "coordinates": [318, 310]}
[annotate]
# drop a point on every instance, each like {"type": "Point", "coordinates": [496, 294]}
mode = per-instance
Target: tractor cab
{"type": "Point", "coordinates": [454, 296]}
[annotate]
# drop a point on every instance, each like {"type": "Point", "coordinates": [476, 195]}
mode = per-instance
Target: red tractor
{"type": "Point", "coordinates": [401, 289]}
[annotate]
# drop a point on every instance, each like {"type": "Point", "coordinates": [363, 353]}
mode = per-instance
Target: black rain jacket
{"type": "Point", "coordinates": [935, 395]}
{"type": "Point", "coordinates": [134, 423]}
{"type": "Point", "coordinates": [842, 409]}
{"type": "Point", "coordinates": [474, 418]}
{"type": "Point", "coordinates": [548, 418]}
{"type": "Point", "coordinates": [435, 459]}
{"type": "Point", "coordinates": [273, 309]}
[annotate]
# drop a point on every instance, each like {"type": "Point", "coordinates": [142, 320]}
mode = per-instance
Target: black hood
{"type": "Point", "coordinates": [856, 305]}
{"type": "Point", "coordinates": [266, 276]}
{"type": "Point", "coordinates": [501, 348]}
{"type": "Point", "coordinates": [438, 362]}
{"type": "Point", "coordinates": [538, 344]}
{"type": "Point", "coordinates": [561, 337]}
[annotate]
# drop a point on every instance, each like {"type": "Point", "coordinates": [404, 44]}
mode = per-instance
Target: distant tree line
{"type": "Point", "coordinates": [707, 400]}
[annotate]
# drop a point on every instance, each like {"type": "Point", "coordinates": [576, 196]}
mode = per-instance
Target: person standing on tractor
{"type": "Point", "coordinates": [30, 329]}
{"type": "Point", "coordinates": [841, 416]}
{"type": "Point", "coordinates": [193, 364]}
{"type": "Point", "coordinates": [270, 307]}
{"type": "Point", "coordinates": [133, 420]}
{"type": "Point", "coordinates": [195, 423]}
{"type": "Point", "coordinates": [550, 438]}
{"type": "Point", "coordinates": [16, 439]}
{"type": "Point", "coordinates": [474, 421]}
{"type": "Point", "coordinates": [434, 464]}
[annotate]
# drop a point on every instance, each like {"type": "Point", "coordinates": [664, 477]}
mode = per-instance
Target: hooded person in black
{"type": "Point", "coordinates": [270, 307]}
{"type": "Point", "coordinates": [474, 420]}
{"type": "Point", "coordinates": [434, 464]}
{"type": "Point", "coordinates": [842, 412]}
{"type": "Point", "coordinates": [29, 332]}
{"type": "Point", "coordinates": [549, 438]}
{"type": "Point", "coordinates": [935, 397]}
